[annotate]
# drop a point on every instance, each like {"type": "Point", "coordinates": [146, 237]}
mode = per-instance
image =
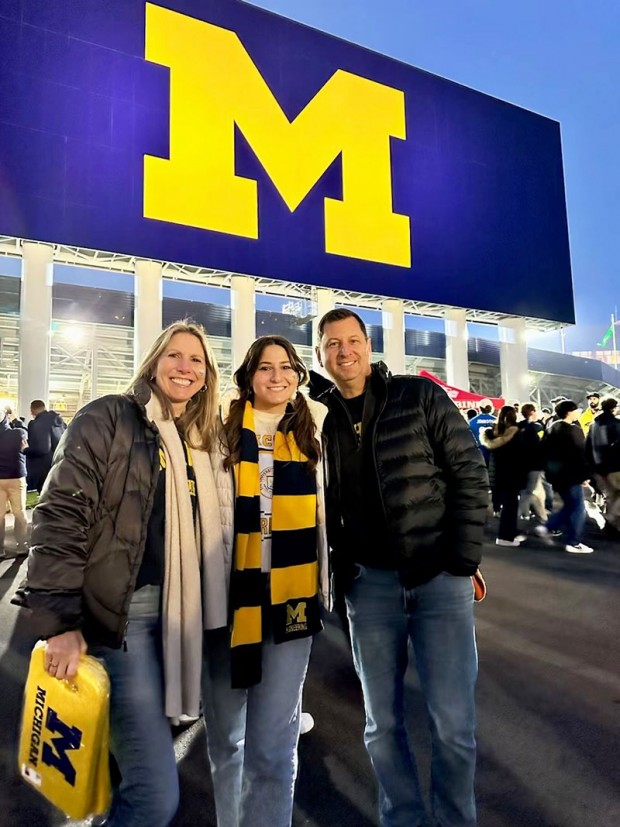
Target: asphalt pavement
{"type": "Point", "coordinates": [548, 705]}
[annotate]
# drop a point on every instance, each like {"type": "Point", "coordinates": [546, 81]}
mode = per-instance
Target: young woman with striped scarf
{"type": "Point", "coordinates": [269, 471]}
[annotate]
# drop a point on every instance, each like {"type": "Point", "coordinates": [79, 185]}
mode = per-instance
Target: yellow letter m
{"type": "Point", "coordinates": [296, 614]}
{"type": "Point", "coordinates": [214, 85]}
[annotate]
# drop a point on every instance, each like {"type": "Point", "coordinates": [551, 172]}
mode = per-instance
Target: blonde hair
{"type": "Point", "coordinates": [199, 416]}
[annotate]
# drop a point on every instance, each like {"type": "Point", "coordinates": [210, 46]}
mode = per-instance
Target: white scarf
{"type": "Point", "coordinates": [194, 590]}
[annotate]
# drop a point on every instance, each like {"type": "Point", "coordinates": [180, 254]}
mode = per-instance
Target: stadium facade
{"type": "Point", "coordinates": [150, 152]}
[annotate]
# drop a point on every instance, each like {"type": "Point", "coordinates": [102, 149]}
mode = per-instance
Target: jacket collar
{"type": "Point", "coordinates": [141, 392]}
{"type": "Point", "coordinates": [321, 387]}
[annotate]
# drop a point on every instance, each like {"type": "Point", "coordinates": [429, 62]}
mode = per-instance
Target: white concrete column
{"type": "Point", "coordinates": [513, 360]}
{"type": "Point", "coordinates": [457, 365]}
{"type": "Point", "coordinates": [148, 310]}
{"type": "Point", "coordinates": [35, 325]}
{"type": "Point", "coordinates": [242, 317]}
{"type": "Point", "coordinates": [393, 320]}
{"type": "Point", "coordinates": [323, 304]}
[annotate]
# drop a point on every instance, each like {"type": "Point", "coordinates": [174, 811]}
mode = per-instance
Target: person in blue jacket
{"type": "Point", "coordinates": [480, 423]}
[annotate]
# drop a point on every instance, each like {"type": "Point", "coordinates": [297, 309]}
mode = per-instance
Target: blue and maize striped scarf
{"type": "Point", "coordinates": [287, 599]}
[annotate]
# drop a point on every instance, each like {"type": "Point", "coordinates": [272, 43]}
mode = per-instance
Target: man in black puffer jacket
{"type": "Point", "coordinates": [406, 505]}
{"type": "Point", "coordinates": [567, 470]}
{"type": "Point", "coordinates": [44, 433]}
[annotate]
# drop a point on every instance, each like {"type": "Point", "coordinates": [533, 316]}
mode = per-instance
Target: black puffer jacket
{"type": "Point", "coordinates": [89, 528]}
{"type": "Point", "coordinates": [565, 455]}
{"type": "Point", "coordinates": [44, 433]}
{"type": "Point", "coordinates": [603, 443]}
{"type": "Point", "coordinates": [431, 474]}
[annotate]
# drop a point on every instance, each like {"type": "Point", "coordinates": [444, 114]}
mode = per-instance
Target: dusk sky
{"type": "Point", "coordinates": [559, 58]}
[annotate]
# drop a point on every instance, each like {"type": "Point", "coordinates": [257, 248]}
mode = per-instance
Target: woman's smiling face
{"type": "Point", "coordinates": [275, 380]}
{"type": "Point", "coordinates": [180, 370]}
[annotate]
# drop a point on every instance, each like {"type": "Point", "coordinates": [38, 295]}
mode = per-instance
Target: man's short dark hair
{"type": "Point", "coordinates": [337, 315]}
{"type": "Point", "coordinates": [527, 410]}
{"type": "Point", "coordinates": [609, 404]}
{"type": "Point", "coordinates": [562, 409]}
{"type": "Point", "coordinates": [486, 409]}
{"type": "Point", "coordinates": [37, 404]}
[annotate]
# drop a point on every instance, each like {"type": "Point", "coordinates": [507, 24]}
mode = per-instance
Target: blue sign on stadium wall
{"type": "Point", "coordinates": [213, 133]}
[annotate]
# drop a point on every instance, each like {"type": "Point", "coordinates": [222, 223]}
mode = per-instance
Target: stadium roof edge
{"type": "Point", "coordinates": [117, 262]}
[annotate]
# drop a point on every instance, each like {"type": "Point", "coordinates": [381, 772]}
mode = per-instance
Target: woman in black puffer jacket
{"type": "Point", "coordinates": [506, 472]}
{"type": "Point", "coordinates": [129, 560]}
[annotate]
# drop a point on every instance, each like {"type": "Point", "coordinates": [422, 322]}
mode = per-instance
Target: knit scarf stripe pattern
{"type": "Point", "coordinates": [292, 607]}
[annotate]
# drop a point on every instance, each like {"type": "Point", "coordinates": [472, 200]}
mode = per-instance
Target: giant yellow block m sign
{"type": "Point", "coordinates": [215, 85]}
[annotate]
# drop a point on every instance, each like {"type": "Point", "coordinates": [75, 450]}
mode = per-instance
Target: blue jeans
{"type": "Point", "coordinates": [571, 518]}
{"type": "Point", "coordinates": [438, 619]}
{"type": "Point", "coordinates": [141, 739]}
{"type": "Point", "coordinates": [252, 734]}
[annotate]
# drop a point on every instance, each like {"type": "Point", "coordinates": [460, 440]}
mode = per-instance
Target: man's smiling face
{"type": "Point", "coordinates": [344, 352]}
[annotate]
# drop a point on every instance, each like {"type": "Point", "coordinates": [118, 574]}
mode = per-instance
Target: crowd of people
{"type": "Point", "coordinates": [192, 542]}
{"type": "Point", "coordinates": [26, 453]}
{"type": "Point", "coordinates": [566, 455]}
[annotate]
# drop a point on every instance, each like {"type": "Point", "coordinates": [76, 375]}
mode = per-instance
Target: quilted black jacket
{"type": "Point", "coordinates": [89, 528]}
{"type": "Point", "coordinates": [431, 474]}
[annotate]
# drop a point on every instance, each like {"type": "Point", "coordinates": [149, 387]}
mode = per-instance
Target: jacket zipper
{"type": "Point", "coordinates": [373, 446]}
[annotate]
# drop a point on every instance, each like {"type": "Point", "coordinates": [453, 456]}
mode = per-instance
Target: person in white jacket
{"type": "Point", "coordinates": [269, 475]}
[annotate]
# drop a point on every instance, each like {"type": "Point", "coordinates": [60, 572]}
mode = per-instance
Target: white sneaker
{"type": "Point", "coordinates": [307, 723]}
{"type": "Point", "coordinates": [511, 543]}
{"type": "Point", "coordinates": [580, 548]}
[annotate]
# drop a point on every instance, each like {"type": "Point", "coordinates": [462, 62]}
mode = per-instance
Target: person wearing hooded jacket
{"type": "Point", "coordinates": [130, 560]}
{"type": "Point", "coordinates": [507, 473]}
{"type": "Point", "coordinates": [407, 496]}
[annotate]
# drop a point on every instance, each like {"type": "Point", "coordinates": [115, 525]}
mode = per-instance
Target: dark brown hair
{"type": "Point", "coordinates": [297, 417]}
{"type": "Point", "coordinates": [337, 315]}
{"type": "Point", "coordinates": [527, 409]}
{"type": "Point", "coordinates": [507, 419]}
{"type": "Point", "coordinates": [562, 409]}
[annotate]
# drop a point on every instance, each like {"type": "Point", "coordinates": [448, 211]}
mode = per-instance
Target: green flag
{"type": "Point", "coordinates": [609, 334]}
{"type": "Point", "coordinates": [606, 337]}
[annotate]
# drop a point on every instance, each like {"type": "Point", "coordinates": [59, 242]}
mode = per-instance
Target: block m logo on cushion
{"type": "Point", "coordinates": [55, 754]}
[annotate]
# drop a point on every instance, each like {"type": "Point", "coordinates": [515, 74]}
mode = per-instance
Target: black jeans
{"type": "Point", "coordinates": [508, 499]}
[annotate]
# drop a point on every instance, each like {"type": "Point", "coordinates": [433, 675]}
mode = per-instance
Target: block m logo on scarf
{"type": "Point", "coordinates": [214, 87]}
{"type": "Point", "coordinates": [296, 616]}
